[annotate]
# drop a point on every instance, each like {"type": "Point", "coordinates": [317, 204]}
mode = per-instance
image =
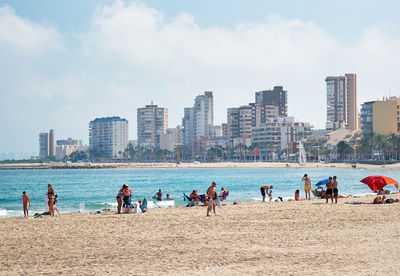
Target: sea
{"type": "Point", "coordinates": [96, 189]}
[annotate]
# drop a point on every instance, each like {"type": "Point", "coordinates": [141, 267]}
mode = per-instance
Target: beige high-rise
{"type": "Point", "coordinates": [352, 112]}
{"type": "Point", "coordinates": [342, 109]}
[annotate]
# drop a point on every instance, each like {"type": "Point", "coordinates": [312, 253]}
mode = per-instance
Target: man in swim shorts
{"type": "Point", "coordinates": [211, 193]}
{"type": "Point", "coordinates": [329, 191]}
{"type": "Point", "coordinates": [335, 189]}
{"type": "Point", "coordinates": [307, 186]}
{"type": "Point", "coordinates": [264, 191]}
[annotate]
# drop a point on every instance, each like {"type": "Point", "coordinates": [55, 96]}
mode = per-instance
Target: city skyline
{"type": "Point", "coordinates": [60, 75]}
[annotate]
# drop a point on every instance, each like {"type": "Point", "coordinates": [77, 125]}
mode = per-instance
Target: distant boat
{"type": "Point", "coordinates": [302, 155]}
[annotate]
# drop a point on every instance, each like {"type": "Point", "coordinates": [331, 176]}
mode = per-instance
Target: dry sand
{"type": "Point", "coordinates": [280, 238]}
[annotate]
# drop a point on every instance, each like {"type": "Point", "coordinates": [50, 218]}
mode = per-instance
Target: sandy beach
{"type": "Point", "coordinates": [289, 238]}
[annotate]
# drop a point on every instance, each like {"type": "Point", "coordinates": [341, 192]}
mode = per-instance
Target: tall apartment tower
{"type": "Point", "coordinates": [152, 121]}
{"type": "Point", "coordinates": [197, 120]}
{"type": "Point", "coordinates": [108, 137]}
{"type": "Point", "coordinates": [276, 97]}
{"type": "Point", "coordinates": [47, 144]}
{"type": "Point", "coordinates": [341, 98]}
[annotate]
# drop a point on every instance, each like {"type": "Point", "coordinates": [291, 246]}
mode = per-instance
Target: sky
{"type": "Point", "coordinates": [64, 63]}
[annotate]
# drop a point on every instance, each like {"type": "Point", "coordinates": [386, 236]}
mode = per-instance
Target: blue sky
{"type": "Point", "coordinates": [63, 63]}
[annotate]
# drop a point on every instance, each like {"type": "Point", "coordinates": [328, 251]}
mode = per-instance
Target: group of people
{"type": "Point", "coordinates": [158, 196]}
{"type": "Point", "coordinates": [124, 202]}
{"type": "Point", "coordinates": [51, 202]}
{"type": "Point", "coordinates": [330, 193]}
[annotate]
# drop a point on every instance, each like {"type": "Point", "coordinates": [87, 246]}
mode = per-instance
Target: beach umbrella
{"type": "Point", "coordinates": [322, 182]}
{"type": "Point", "coordinates": [377, 182]}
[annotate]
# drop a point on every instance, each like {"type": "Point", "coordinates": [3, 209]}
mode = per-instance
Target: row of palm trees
{"type": "Point", "coordinates": [371, 147]}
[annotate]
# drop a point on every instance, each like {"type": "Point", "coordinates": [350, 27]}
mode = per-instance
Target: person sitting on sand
{"type": "Point", "coordinates": [194, 197]}
{"type": "Point", "coordinates": [297, 195]}
{"type": "Point", "coordinates": [54, 205]}
{"type": "Point", "coordinates": [264, 191]}
{"type": "Point", "coordinates": [25, 203]}
{"type": "Point", "coordinates": [158, 195]}
{"type": "Point", "coordinates": [223, 194]}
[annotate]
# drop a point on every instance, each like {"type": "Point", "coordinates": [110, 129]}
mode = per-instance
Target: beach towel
{"type": "Point", "coordinates": [218, 201]}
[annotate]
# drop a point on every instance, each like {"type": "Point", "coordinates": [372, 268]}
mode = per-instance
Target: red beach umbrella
{"type": "Point", "coordinates": [376, 182]}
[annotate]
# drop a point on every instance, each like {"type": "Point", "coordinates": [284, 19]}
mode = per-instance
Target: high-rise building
{"type": "Point", "coordinates": [198, 119]}
{"type": "Point", "coordinates": [152, 121]}
{"type": "Point", "coordinates": [242, 119]}
{"type": "Point", "coordinates": [233, 122]}
{"type": "Point", "coordinates": [47, 145]}
{"type": "Point", "coordinates": [276, 97]}
{"type": "Point", "coordinates": [280, 132]}
{"type": "Point", "coordinates": [108, 137]}
{"type": "Point", "coordinates": [170, 139]}
{"type": "Point", "coordinates": [342, 109]}
{"type": "Point", "coordinates": [66, 147]}
{"type": "Point", "coordinates": [379, 117]}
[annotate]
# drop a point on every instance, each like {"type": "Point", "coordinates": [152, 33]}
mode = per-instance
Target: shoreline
{"type": "Point", "coordinates": [221, 165]}
{"type": "Point", "coordinates": [291, 237]}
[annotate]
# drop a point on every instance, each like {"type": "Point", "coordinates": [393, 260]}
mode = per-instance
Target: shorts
{"type": "Point", "coordinates": [210, 204]}
{"type": "Point", "coordinates": [307, 188]}
{"type": "Point", "coordinates": [335, 192]}
{"type": "Point", "coordinates": [262, 190]}
{"type": "Point", "coordinates": [329, 191]}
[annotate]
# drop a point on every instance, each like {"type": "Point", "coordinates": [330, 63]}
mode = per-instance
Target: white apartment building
{"type": "Point", "coordinates": [197, 120]}
{"type": "Point", "coordinates": [108, 137]}
{"type": "Point", "coordinates": [152, 121]}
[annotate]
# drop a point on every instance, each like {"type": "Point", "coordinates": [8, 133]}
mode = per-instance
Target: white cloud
{"type": "Point", "coordinates": [25, 36]}
{"type": "Point", "coordinates": [131, 54]}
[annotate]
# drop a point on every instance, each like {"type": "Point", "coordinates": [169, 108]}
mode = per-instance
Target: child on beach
{"type": "Point", "coordinates": [54, 204]}
{"type": "Point", "coordinates": [297, 195]}
{"type": "Point", "coordinates": [26, 203]}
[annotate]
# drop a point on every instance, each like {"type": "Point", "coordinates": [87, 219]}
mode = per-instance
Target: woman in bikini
{"type": "Point", "coordinates": [50, 196]}
{"type": "Point", "coordinates": [26, 203]}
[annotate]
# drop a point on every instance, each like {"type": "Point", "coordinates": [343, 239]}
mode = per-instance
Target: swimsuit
{"type": "Point", "coordinates": [25, 200]}
{"type": "Point", "coordinates": [329, 191]}
{"type": "Point", "coordinates": [335, 192]}
{"type": "Point", "coordinates": [262, 190]}
{"type": "Point", "coordinates": [307, 187]}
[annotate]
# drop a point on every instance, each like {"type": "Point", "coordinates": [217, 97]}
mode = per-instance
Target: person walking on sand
{"type": "Point", "coordinates": [307, 186]}
{"type": "Point", "coordinates": [329, 190]}
{"type": "Point", "coordinates": [50, 196]}
{"type": "Point", "coordinates": [264, 191]}
{"type": "Point", "coordinates": [26, 203]}
{"type": "Point", "coordinates": [211, 193]}
{"type": "Point", "coordinates": [335, 190]}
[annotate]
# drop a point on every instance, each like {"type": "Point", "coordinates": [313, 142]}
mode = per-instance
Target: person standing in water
{"type": "Point", "coordinates": [211, 193]}
{"type": "Point", "coordinates": [307, 186]}
{"type": "Point", "coordinates": [50, 196]}
{"type": "Point", "coordinates": [26, 203]}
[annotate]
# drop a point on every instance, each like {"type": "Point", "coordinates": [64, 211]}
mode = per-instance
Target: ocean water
{"type": "Point", "coordinates": [97, 188]}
